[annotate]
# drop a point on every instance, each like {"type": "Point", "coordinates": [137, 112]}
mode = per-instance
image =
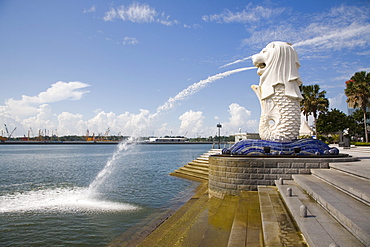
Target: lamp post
{"type": "Point", "coordinates": [219, 126]}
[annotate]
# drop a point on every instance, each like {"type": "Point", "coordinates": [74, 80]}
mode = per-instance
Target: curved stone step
{"type": "Point", "coordinates": [187, 169]}
{"type": "Point", "coordinates": [197, 168]}
{"type": "Point", "coordinates": [360, 168]}
{"type": "Point", "coordinates": [196, 163]}
{"type": "Point", "coordinates": [351, 213]}
{"type": "Point", "coordinates": [319, 228]}
{"type": "Point", "coordinates": [359, 188]}
{"type": "Point", "coordinates": [181, 172]}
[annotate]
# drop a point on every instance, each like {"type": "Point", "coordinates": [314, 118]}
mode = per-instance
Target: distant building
{"type": "Point", "coordinates": [168, 139]}
{"type": "Point", "coordinates": [351, 110]}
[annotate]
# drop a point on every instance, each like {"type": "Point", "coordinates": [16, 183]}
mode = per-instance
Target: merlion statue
{"type": "Point", "coordinates": [278, 92]}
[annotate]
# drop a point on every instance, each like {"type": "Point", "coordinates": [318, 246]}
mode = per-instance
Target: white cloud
{"type": "Point", "coordinates": [338, 101]}
{"type": "Point", "coordinates": [364, 69]}
{"type": "Point", "coordinates": [136, 124]}
{"type": "Point", "coordinates": [192, 123]}
{"type": "Point", "coordinates": [130, 41]}
{"type": "Point", "coordinates": [138, 13]}
{"type": "Point", "coordinates": [92, 9]}
{"type": "Point", "coordinates": [348, 37]}
{"type": "Point", "coordinates": [248, 15]}
{"type": "Point", "coordinates": [58, 91]}
{"type": "Point", "coordinates": [110, 15]}
{"type": "Point", "coordinates": [71, 124]}
{"type": "Point", "coordinates": [335, 29]}
{"type": "Point", "coordinates": [240, 118]}
{"type": "Point", "coordinates": [44, 119]}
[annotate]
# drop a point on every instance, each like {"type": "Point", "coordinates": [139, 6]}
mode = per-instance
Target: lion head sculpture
{"type": "Point", "coordinates": [278, 64]}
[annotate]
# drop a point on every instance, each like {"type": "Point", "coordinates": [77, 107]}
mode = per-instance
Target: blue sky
{"type": "Point", "coordinates": [68, 66]}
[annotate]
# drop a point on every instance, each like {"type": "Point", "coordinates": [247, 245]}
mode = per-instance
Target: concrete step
{"type": "Point", "coordinates": [197, 167]}
{"type": "Point", "coordinates": [200, 160]}
{"type": "Point", "coordinates": [360, 168]}
{"type": "Point", "coordinates": [198, 163]}
{"type": "Point", "coordinates": [194, 234]}
{"type": "Point", "coordinates": [319, 228]}
{"type": "Point", "coordinates": [188, 174]}
{"type": "Point", "coordinates": [198, 171]}
{"type": "Point", "coordinates": [220, 223]}
{"type": "Point", "coordinates": [278, 226]}
{"type": "Point", "coordinates": [353, 185]}
{"type": "Point", "coordinates": [246, 228]}
{"type": "Point", "coordinates": [351, 213]}
{"type": "Point", "coordinates": [171, 230]}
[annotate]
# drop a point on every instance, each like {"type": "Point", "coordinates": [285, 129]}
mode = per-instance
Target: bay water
{"type": "Point", "coordinates": [46, 198]}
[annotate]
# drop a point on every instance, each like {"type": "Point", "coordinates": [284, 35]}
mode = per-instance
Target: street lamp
{"type": "Point", "coordinates": [219, 126]}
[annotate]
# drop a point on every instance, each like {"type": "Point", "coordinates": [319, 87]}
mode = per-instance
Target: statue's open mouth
{"type": "Point", "coordinates": [261, 65]}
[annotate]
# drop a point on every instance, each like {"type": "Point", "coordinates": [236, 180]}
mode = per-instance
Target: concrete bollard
{"type": "Point", "coordinates": [281, 181]}
{"type": "Point", "coordinates": [289, 191]}
{"type": "Point", "coordinates": [303, 211]}
{"type": "Point", "coordinates": [334, 245]}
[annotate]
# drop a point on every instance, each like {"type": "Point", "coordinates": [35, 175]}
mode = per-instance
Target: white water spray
{"type": "Point", "coordinates": [103, 174]}
{"type": "Point", "coordinates": [194, 88]}
{"type": "Point", "coordinates": [170, 103]}
{"type": "Point", "coordinates": [235, 62]}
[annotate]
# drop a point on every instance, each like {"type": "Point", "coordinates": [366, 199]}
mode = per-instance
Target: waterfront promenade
{"type": "Point", "coordinates": [337, 203]}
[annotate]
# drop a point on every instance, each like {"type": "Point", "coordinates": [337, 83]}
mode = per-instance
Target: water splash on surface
{"type": "Point", "coordinates": [65, 200]}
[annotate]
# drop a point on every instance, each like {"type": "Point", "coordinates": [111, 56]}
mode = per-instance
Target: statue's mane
{"type": "Point", "coordinates": [282, 67]}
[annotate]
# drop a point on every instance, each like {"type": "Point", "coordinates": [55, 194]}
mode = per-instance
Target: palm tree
{"type": "Point", "coordinates": [358, 94]}
{"type": "Point", "coordinates": [313, 102]}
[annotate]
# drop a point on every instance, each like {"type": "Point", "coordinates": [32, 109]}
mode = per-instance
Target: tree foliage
{"type": "Point", "coordinates": [336, 121]}
{"type": "Point", "coordinates": [313, 102]}
{"type": "Point", "coordinates": [358, 94]}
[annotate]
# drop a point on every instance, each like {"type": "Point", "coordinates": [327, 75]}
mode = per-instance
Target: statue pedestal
{"type": "Point", "coordinates": [231, 174]}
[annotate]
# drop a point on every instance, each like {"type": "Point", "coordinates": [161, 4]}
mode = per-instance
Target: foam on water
{"type": "Point", "coordinates": [67, 200]}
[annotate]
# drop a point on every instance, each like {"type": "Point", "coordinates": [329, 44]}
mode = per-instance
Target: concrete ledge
{"type": "Point", "coordinates": [319, 227]}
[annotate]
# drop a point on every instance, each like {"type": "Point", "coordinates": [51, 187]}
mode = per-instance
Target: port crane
{"type": "Point", "coordinates": [7, 131]}
{"type": "Point", "coordinates": [106, 134]}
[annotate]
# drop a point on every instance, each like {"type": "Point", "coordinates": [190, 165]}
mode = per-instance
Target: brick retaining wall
{"type": "Point", "coordinates": [228, 175]}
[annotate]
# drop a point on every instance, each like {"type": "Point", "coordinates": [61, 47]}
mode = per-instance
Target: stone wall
{"type": "Point", "coordinates": [228, 175]}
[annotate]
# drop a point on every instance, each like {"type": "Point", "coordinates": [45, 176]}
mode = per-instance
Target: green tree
{"type": "Point", "coordinates": [313, 102]}
{"type": "Point", "coordinates": [358, 94]}
{"type": "Point", "coordinates": [358, 116]}
{"type": "Point", "coordinates": [334, 121]}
